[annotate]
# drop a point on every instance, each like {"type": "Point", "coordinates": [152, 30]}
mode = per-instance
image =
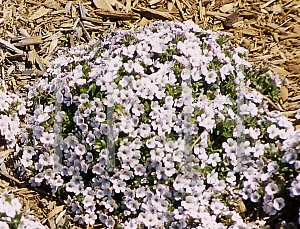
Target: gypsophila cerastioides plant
{"type": "Point", "coordinates": [170, 85]}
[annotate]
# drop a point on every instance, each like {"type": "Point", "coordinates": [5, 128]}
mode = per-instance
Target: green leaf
{"type": "Point", "coordinates": [99, 95]}
{"type": "Point", "coordinates": [222, 40]}
{"type": "Point", "coordinates": [17, 217]}
{"type": "Point", "coordinates": [85, 68]}
{"type": "Point", "coordinates": [178, 90]}
{"type": "Point", "coordinates": [94, 89]}
{"type": "Point", "coordinates": [146, 106]}
{"type": "Point", "coordinates": [98, 140]}
{"type": "Point", "coordinates": [196, 167]}
{"type": "Point", "coordinates": [79, 198]}
{"type": "Point", "coordinates": [85, 88]}
{"type": "Point", "coordinates": [145, 117]}
{"type": "Point", "coordinates": [61, 190]}
{"type": "Point", "coordinates": [169, 89]}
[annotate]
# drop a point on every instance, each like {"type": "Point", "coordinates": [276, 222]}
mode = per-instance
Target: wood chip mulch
{"type": "Point", "coordinates": [32, 33]}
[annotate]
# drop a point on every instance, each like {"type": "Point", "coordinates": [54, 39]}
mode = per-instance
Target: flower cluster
{"type": "Point", "coordinates": [164, 96]}
{"type": "Point", "coordinates": [9, 217]}
{"type": "Point", "coordinates": [12, 110]}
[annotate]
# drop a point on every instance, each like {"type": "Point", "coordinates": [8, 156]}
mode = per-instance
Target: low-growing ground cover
{"type": "Point", "coordinates": [180, 159]}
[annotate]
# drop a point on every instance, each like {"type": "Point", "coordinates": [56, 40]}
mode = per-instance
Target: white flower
{"type": "Point", "coordinates": [231, 178]}
{"type": "Point", "coordinates": [265, 176]}
{"type": "Point", "coordinates": [80, 149]}
{"type": "Point", "coordinates": [225, 70]}
{"type": "Point", "coordinates": [278, 203]}
{"type": "Point", "coordinates": [57, 182]}
{"type": "Point", "coordinates": [253, 133]}
{"type": "Point", "coordinates": [272, 167]}
{"type": "Point", "coordinates": [254, 197]}
{"type": "Point", "coordinates": [115, 63]}
{"type": "Point", "coordinates": [45, 159]}
{"type": "Point", "coordinates": [189, 203]}
{"type": "Point", "coordinates": [217, 206]}
{"type": "Point", "coordinates": [109, 100]}
{"type": "Point", "coordinates": [119, 186]}
{"type": "Point", "coordinates": [269, 208]}
{"type": "Point", "coordinates": [110, 222]}
{"type": "Point", "coordinates": [250, 173]}
{"type": "Point", "coordinates": [9, 135]}
{"type": "Point", "coordinates": [139, 170]}
{"type": "Point", "coordinates": [128, 66]}
{"type": "Point", "coordinates": [211, 77]}
{"type": "Point", "coordinates": [88, 201]}
{"type": "Point", "coordinates": [169, 169]}
{"type": "Point", "coordinates": [186, 74]}
{"type": "Point", "coordinates": [3, 126]}
{"type": "Point", "coordinates": [4, 106]}
{"type": "Point", "coordinates": [26, 160]}
{"type": "Point", "coordinates": [195, 61]}
{"type": "Point", "coordinates": [213, 159]}
{"type": "Point", "coordinates": [138, 68]}
{"type": "Point", "coordinates": [79, 218]}
{"type": "Point", "coordinates": [110, 204]}
{"type": "Point", "coordinates": [207, 56]}
{"type": "Point", "coordinates": [229, 146]}
{"type": "Point", "coordinates": [158, 47]}
{"type": "Point", "coordinates": [72, 141]}
{"type": "Point", "coordinates": [208, 123]}
{"type": "Point", "coordinates": [253, 110]}
{"type": "Point", "coordinates": [273, 131]}
{"type": "Point", "coordinates": [179, 183]}
{"type": "Point", "coordinates": [16, 204]}
{"type": "Point", "coordinates": [220, 185]}
{"type": "Point", "coordinates": [127, 127]}
{"type": "Point", "coordinates": [43, 117]}
{"type": "Point", "coordinates": [295, 189]}
{"type": "Point", "coordinates": [290, 156]}
{"type": "Point", "coordinates": [49, 108]}
{"type": "Point", "coordinates": [49, 174]}
{"type": "Point", "coordinates": [258, 149]}
{"type": "Point", "coordinates": [151, 220]}
{"type": "Point", "coordinates": [297, 115]}
{"type": "Point", "coordinates": [144, 130]}
{"type": "Point", "coordinates": [76, 207]}
{"type": "Point", "coordinates": [271, 189]}
{"type": "Point", "coordinates": [138, 109]}
{"type": "Point", "coordinates": [241, 50]}
{"type": "Point", "coordinates": [244, 109]}
{"type": "Point", "coordinates": [212, 177]}
{"type": "Point", "coordinates": [140, 192]}
{"type": "Point", "coordinates": [297, 165]}
{"type": "Point", "coordinates": [9, 210]}
{"type": "Point", "coordinates": [47, 138]}
{"type": "Point", "coordinates": [150, 143]}
{"type": "Point", "coordinates": [38, 131]}
{"type": "Point", "coordinates": [90, 218]}
{"type": "Point", "coordinates": [3, 225]}
{"type": "Point", "coordinates": [126, 81]}
{"type": "Point", "coordinates": [129, 51]}
{"type": "Point", "coordinates": [39, 178]}
{"type": "Point", "coordinates": [284, 122]}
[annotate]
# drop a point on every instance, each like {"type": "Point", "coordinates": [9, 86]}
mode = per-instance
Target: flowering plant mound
{"type": "Point", "coordinates": [164, 96]}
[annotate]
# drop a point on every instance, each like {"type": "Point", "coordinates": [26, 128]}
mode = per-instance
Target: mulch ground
{"type": "Point", "coordinates": [32, 33]}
